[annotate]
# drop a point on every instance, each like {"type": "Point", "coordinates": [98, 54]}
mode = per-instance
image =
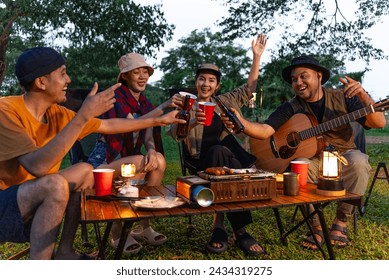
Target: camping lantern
{"type": "Point", "coordinates": [330, 174]}
{"type": "Point", "coordinates": [128, 171]}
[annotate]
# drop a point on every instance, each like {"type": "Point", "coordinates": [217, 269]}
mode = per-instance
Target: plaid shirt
{"type": "Point", "coordinates": [123, 143]}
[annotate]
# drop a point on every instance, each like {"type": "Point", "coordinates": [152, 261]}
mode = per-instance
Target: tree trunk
{"type": "Point", "coordinates": [3, 49]}
{"type": "Point", "coordinates": [4, 38]}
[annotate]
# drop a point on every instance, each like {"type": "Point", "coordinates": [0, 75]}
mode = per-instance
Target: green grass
{"type": "Point", "coordinates": [378, 131]}
{"type": "Point", "coordinates": [370, 243]}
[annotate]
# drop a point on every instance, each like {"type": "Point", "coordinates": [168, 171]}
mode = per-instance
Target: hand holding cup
{"type": "Point", "coordinates": [208, 109]}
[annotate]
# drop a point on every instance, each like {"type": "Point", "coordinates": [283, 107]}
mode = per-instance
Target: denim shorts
{"type": "Point", "coordinates": [98, 155]}
{"type": "Point", "coordinates": [12, 227]}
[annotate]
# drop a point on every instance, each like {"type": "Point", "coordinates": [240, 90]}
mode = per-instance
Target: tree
{"type": "Point", "coordinates": [91, 34]}
{"type": "Point", "coordinates": [305, 26]}
{"type": "Point", "coordinates": [180, 64]}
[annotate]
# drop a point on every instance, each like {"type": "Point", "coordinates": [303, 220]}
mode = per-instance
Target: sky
{"type": "Point", "coordinates": [188, 15]}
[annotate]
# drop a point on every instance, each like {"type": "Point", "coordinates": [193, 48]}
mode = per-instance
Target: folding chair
{"type": "Point", "coordinates": [377, 175]}
{"type": "Point", "coordinates": [186, 167]}
{"type": "Point", "coordinates": [360, 142]}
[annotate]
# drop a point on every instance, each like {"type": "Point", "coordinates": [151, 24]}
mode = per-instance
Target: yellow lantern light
{"type": "Point", "coordinates": [330, 174]}
{"type": "Point", "coordinates": [128, 171]}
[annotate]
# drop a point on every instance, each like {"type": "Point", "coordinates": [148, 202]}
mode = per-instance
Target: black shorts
{"type": "Point", "coordinates": [12, 227]}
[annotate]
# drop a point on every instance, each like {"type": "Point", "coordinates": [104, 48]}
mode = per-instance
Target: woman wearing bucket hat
{"type": "Point", "coordinates": [307, 77]}
{"type": "Point", "coordinates": [126, 147]}
{"type": "Point", "coordinates": [214, 145]}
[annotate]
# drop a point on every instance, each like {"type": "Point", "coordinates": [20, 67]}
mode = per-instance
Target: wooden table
{"type": "Point", "coordinates": [96, 210]}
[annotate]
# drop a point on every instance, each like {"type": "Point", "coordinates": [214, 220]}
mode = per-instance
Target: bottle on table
{"type": "Point", "coordinates": [183, 129]}
{"type": "Point", "coordinates": [238, 126]}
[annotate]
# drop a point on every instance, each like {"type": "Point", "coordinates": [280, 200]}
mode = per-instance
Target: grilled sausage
{"type": "Point", "coordinates": [228, 171]}
{"type": "Point", "coordinates": [213, 171]}
{"type": "Point", "coordinates": [222, 171]}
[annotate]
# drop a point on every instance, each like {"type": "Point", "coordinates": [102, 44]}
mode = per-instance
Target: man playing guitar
{"type": "Point", "coordinates": [320, 105]}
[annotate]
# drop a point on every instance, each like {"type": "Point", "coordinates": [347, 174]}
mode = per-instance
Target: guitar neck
{"type": "Point", "coordinates": [334, 123]}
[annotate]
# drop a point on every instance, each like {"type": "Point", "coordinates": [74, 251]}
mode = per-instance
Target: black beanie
{"type": "Point", "coordinates": [37, 62]}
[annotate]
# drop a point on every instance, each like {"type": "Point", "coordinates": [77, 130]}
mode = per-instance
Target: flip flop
{"type": "Point", "coordinates": [149, 235]}
{"type": "Point", "coordinates": [130, 243]}
{"type": "Point", "coordinates": [245, 241]}
{"type": "Point", "coordinates": [218, 236]}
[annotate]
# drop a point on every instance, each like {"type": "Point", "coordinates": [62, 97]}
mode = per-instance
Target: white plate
{"type": "Point", "coordinates": [158, 202]}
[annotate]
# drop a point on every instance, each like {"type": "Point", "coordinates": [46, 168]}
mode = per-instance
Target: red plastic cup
{"type": "Point", "coordinates": [207, 108]}
{"type": "Point", "coordinates": [301, 167]}
{"type": "Point", "coordinates": [103, 181]}
{"type": "Point", "coordinates": [191, 96]}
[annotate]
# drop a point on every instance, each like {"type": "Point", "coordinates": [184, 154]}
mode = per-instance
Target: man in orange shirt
{"type": "Point", "coordinates": [36, 135]}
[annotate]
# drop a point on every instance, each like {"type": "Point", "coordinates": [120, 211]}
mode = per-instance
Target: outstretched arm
{"type": "Point", "coordinates": [252, 129]}
{"type": "Point", "coordinates": [43, 159]}
{"type": "Point", "coordinates": [121, 125]}
{"type": "Point", "coordinates": [258, 47]}
{"type": "Point", "coordinates": [176, 101]}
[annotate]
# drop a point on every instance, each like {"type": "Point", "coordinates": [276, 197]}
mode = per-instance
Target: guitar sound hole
{"type": "Point", "coordinates": [286, 152]}
{"type": "Point", "coordinates": [293, 139]}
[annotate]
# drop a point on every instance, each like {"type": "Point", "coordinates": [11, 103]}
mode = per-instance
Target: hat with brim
{"type": "Point", "coordinates": [209, 67]}
{"type": "Point", "coordinates": [133, 61]}
{"type": "Point", "coordinates": [308, 62]}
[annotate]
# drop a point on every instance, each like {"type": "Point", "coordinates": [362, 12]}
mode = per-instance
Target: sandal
{"type": "Point", "coordinates": [245, 241]}
{"type": "Point", "coordinates": [131, 246]}
{"type": "Point", "coordinates": [335, 239]}
{"type": "Point", "coordinates": [312, 241]}
{"type": "Point", "coordinates": [219, 236]}
{"type": "Point", "coordinates": [149, 235]}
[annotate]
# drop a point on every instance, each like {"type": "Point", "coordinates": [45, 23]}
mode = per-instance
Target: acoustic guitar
{"type": "Point", "coordinates": [301, 136]}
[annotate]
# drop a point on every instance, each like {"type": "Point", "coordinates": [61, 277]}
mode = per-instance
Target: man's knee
{"type": "Point", "coordinates": [84, 168]}
{"type": "Point", "coordinates": [86, 171]}
{"type": "Point", "coordinates": [56, 187]}
{"type": "Point", "coordinates": [358, 162]}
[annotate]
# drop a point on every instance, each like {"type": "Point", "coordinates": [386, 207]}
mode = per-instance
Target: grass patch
{"type": "Point", "coordinates": [378, 131]}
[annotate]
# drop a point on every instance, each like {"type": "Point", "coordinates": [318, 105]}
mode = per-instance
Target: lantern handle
{"type": "Point", "coordinates": [342, 159]}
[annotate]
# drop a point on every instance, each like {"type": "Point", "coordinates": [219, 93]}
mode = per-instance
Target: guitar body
{"type": "Point", "coordinates": [275, 153]}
